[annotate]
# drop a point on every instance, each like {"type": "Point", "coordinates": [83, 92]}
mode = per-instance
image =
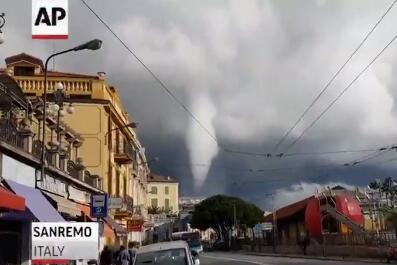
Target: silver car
{"type": "Point", "coordinates": [167, 253]}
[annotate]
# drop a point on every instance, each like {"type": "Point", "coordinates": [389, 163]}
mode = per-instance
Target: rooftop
{"type": "Point", "coordinates": [289, 210]}
{"type": "Point", "coordinates": [159, 178]}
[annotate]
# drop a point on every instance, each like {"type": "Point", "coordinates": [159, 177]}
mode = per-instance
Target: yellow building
{"type": "Point", "coordinates": [111, 148]}
{"type": "Point", "coordinates": [163, 195]}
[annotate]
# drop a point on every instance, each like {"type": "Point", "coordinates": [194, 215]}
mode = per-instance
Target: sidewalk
{"type": "Point", "coordinates": [313, 257]}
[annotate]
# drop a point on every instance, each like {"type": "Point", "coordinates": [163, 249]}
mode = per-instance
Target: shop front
{"type": "Point", "coordinates": [10, 231]}
{"type": "Point", "coordinates": [19, 179]}
{"type": "Point", "coordinates": [55, 190]}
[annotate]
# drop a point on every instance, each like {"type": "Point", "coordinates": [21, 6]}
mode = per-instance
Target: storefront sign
{"type": "Point", "coordinates": [64, 241]}
{"type": "Point", "coordinates": [79, 195]}
{"type": "Point", "coordinates": [267, 226]}
{"type": "Point", "coordinates": [134, 225]}
{"type": "Point", "coordinates": [115, 203]}
{"type": "Point", "coordinates": [53, 185]}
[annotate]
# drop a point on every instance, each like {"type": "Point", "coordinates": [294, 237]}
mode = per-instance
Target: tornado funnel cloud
{"type": "Point", "coordinates": [202, 148]}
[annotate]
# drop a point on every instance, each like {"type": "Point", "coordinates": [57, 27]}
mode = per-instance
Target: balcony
{"type": "Point", "coordinates": [125, 154]}
{"type": "Point", "coordinates": [35, 84]}
{"type": "Point", "coordinates": [10, 134]}
{"type": "Point", "coordinates": [73, 169]}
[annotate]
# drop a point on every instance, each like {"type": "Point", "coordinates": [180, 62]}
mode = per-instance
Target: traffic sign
{"type": "Point", "coordinates": [99, 205]}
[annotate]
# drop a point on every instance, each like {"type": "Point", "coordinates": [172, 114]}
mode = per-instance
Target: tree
{"type": "Point", "coordinates": [217, 212]}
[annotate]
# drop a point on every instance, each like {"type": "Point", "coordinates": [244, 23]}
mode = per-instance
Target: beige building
{"type": "Point", "coordinates": [163, 194]}
{"type": "Point", "coordinates": [111, 148]}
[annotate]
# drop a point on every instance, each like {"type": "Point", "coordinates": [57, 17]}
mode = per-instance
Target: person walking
{"type": "Point", "coordinates": [123, 257]}
{"type": "Point", "coordinates": [106, 257]}
{"type": "Point", "coordinates": [132, 249]}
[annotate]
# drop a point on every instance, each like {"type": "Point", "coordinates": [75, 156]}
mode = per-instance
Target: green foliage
{"type": "Point", "coordinates": [217, 212]}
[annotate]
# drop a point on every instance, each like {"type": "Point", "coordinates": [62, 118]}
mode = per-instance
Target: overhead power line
{"type": "Point", "coordinates": [281, 155]}
{"type": "Point", "coordinates": [374, 155]}
{"type": "Point", "coordinates": [340, 94]}
{"type": "Point", "coordinates": [155, 77]}
{"type": "Point", "coordinates": [332, 78]}
{"type": "Point", "coordinates": [356, 162]}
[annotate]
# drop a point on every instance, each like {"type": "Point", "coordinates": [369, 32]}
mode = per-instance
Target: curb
{"type": "Point", "coordinates": [313, 257]}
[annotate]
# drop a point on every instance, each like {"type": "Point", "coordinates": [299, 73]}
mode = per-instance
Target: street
{"type": "Point", "coordinates": [240, 259]}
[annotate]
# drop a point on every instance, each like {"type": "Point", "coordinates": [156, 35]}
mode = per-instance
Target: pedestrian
{"type": "Point", "coordinates": [123, 257]}
{"type": "Point", "coordinates": [132, 249]}
{"type": "Point", "coordinates": [305, 241]}
{"type": "Point", "coordinates": [106, 257]}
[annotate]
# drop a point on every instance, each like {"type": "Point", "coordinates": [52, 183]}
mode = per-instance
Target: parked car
{"type": "Point", "coordinates": [167, 253]}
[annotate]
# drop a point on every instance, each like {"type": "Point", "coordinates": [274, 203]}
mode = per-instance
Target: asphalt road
{"type": "Point", "coordinates": [239, 259]}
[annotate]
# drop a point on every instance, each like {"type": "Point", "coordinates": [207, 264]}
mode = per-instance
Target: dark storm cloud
{"type": "Point", "coordinates": [247, 69]}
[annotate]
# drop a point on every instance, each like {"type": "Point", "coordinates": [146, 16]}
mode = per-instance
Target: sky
{"type": "Point", "coordinates": [247, 70]}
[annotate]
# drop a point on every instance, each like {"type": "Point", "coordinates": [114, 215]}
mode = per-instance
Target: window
{"type": "Point", "coordinates": [118, 184]}
{"type": "Point", "coordinates": [154, 190]}
{"type": "Point", "coordinates": [154, 203]}
{"type": "Point", "coordinates": [167, 190]}
{"type": "Point", "coordinates": [23, 71]}
{"type": "Point", "coordinates": [124, 187]}
{"type": "Point", "coordinates": [167, 204]}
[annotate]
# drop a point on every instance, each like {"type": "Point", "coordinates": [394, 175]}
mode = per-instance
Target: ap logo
{"type": "Point", "coordinates": [50, 19]}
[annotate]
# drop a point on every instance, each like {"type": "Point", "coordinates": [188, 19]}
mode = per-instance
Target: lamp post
{"type": "Point", "coordinates": [91, 45]}
{"type": "Point", "coordinates": [132, 125]}
{"type": "Point", "coordinates": [2, 22]}
{"type": "Point", "coordinates": [58, 107]}
{"type": "Point", "coordinates": [155, 159]}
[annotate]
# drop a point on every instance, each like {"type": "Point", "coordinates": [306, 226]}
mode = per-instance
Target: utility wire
{"type": "Point", "coordinates": [380, 152]}
{"type": "Point", "coordinates": [332, 78]}
{"type": "Point", "coordinates": [340, 94]}
{"type": "Point", "coordinates": [280, 155]}
{"type": "Point", "coordinates": [156, 78]}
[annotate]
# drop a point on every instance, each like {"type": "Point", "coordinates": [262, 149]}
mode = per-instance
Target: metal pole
{"type": "Point", "coordinates": [99, 239]}
{"type": "Point", "coordinates": [44, 122]}
{"type": "Point", "coordinates": [43, 145]}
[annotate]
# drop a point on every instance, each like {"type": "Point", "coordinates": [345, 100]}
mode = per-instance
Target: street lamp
{"type": "Point", "coordinates": [58, 107]}
{"type": "Point", "coordinates": [154, 159]}
{"type": "Point", "coordinates": [2, 22]}
{"type": "Point", "coordinates": [132, 125]}
{"type": "Point", "coordinates": [91, 45]}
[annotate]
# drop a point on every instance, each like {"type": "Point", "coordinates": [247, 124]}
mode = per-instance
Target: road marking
{"type": "Point", "coordinates": [234, 259]}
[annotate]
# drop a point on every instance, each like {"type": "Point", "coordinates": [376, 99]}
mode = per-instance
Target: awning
{"type": "Point", "coordinates": [36, 203]}
{"type": "Point", "coordinates": [64, 205]}
{"type": "Point", "coordinates": [107, 230]}
{"type": "Point", "coordinates": [120, 231]}
{"type": "Point", "coordinates": [10, 201]}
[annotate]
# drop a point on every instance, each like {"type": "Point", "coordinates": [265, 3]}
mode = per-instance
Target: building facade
{"type": "Point", "coordinates": [62, 194]}
{"type": "Point", "coordinates": [111, 149]}
{"type": "Point", "coordinates": [163, 194]}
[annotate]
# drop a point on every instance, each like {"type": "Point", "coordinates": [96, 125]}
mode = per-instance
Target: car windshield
{"type": "Point", "coordinates": [163, 257]}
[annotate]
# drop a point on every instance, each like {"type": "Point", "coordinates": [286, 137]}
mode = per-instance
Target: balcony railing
{"type": "Point", "coordinates": [10, 134]}
{"type": "Point", "coordinates": [32, 85]}
{"type": "Point", "coordinates": [125, 154]}
{"type": "Point", "coordinates": [73, 169]}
